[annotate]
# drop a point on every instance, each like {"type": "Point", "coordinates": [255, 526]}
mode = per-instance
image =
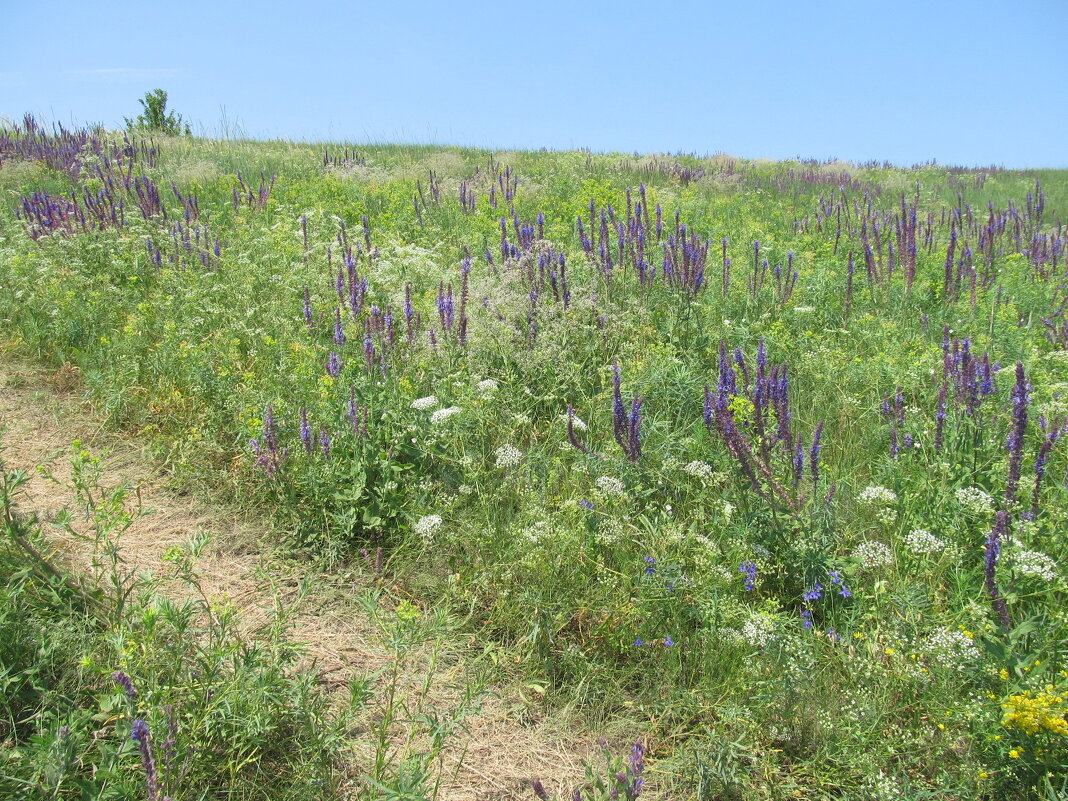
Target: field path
{"type": "Point", "coordinates": [41, 415]}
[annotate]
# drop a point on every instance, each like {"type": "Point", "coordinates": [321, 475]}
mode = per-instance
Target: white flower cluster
{"type": "Point", "coordinates": [427, 526]}
{"type": "Point", "coordinates": [921, 541]}
{"type": "Point", "coordinates": [721, 574]}
{"type": "Point", "coordinates": [975, 501]}
{"type": "Point", "coordinates": [508, 456]}
{"type": "Point", "coordinates": [609, 531]}
{"type": "Point", "coordinates": [422, 404]}
{"type": "Point", "coordinates": [441, 415]}
{"type": "Point", "coordinates": [486, 387]}
{"type": "Point", "coordinates": [699, 469]}
{"type": "Point", "coordinates": [538, 531]}
{"type": "Point", "coordinates": [873, 553]}
{"type": "Point", "coordinates": [1035, 564]}
{"type": "Point", "coordinates": [882, 788]}
{"type": "Point", "coordinates": [886, 515]}
{"type": "Point", "coordinates": [758, 630]}
{"type": "Point", "coordinates": [610, 485]}
{"type": "Point", "coordinates": [576, 422]}
{"type": "Point", "coordinates": [877, 496]}
{"type": "Point", "coordinates": [952, 650]}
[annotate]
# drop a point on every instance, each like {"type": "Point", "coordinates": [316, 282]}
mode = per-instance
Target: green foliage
{"type": "Point", "coordinates": [155, 118]}
{"type": "Point", "coordinates": [228, 714]}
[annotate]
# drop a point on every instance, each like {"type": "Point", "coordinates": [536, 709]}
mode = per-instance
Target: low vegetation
{"type": "Point", "coordinates": [760, 461]}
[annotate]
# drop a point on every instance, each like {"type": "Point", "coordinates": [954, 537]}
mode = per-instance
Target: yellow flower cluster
{"type": "Point", "coordinates": [1032, 712]}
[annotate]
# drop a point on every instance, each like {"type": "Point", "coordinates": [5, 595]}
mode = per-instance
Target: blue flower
{"type": "Point", "coordinates": [638, 643]}
{"type": "Point", "coordinates": [838, 581]}
{"type": "Point", "coordinates": [750, 571]}
{"type": "Point", "coordinates": [669, 642]}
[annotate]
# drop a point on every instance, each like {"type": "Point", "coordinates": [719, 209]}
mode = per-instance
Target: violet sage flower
{"type": "Point", "coordinates": [126, 683]}
{"type": "Point", "coordinates": [141, 735]}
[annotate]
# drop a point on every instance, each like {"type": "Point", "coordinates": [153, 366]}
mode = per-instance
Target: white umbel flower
{"type": "Point", "coordinates": [427, 526]}
{"type": "Point", "coordinates": [610, 485]}
{"type": "Point", "coordinates": [422, 404]}
{"type": "Point", "coordinates": [699, 469]}
{"type": "Point", "coordinates": [441, 415]}
{"type": "Point", "coordinates": [921, 541]}
{"type": "Point", "coordinates": [873, 553]}
{"type": "Point", "coordinates": [1035, 564]}
{"type": "Point", "coordinates": [576, 421]}
{"type": "Point", "coordinates": [877, 496]}
{"type": "Point", "coordinates": [975, 501]}
{"type": "Point", "coordinates": [508, 456]}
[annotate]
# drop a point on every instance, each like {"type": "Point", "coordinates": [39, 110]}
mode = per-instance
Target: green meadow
{"type": "Point", "coordinates": [759, 465]}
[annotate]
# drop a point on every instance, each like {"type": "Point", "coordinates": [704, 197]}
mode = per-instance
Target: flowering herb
{"type": "Point", "coordinates": [750, 571]}
{"type": "Point", "coordinates": [839, 582]}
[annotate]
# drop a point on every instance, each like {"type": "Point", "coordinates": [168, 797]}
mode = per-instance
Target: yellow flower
{"type": "Point", "coordinates": [1032, 713]}
{"type": "Point", "coordinates": [1015, 753]}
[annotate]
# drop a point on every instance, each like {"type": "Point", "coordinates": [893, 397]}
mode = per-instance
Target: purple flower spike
{"type": "Point", "coordinates": [333, 365]}
{"type": "Point", "coordinates": [750, 571]}
{"type": "Point", "coordinates": [1020, 400]}
{"type": "Point", "coordinates": [126, 683]}
{"type": "Point", "coordinates": [307, 308]}
{"type": "Point", "coordinates": [992, 551]}
{"type": "Point", "coordinates": [305, 430]}
{"type": "Point", "coordinates": [368, 349]}
{"type": "Point", "coordinates": [141, 735]}
{"type": "Point", "coordinates": [814, 454]}
{"type": "Point", "coordinates": [635, 770]}
{"type": "Point", "coordinates": [339, 330]}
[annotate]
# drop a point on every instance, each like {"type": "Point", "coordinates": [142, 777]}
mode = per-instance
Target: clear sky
{"type": "Point", "coordinates": [971, 83]}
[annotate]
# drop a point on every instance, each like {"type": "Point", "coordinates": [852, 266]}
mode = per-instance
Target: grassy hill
{"type": "Point", "coordinates": [762, 458]}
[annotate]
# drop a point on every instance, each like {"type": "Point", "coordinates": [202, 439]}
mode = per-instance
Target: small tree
{"type": "Point", "coordinates": [155, 117]}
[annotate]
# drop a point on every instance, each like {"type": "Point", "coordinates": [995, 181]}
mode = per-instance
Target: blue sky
{"type": "Point", "coordinates": [961, 82]}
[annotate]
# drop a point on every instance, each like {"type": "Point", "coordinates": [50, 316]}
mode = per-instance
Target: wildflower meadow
{"type": "Point", "coordinates": [757, 467]}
